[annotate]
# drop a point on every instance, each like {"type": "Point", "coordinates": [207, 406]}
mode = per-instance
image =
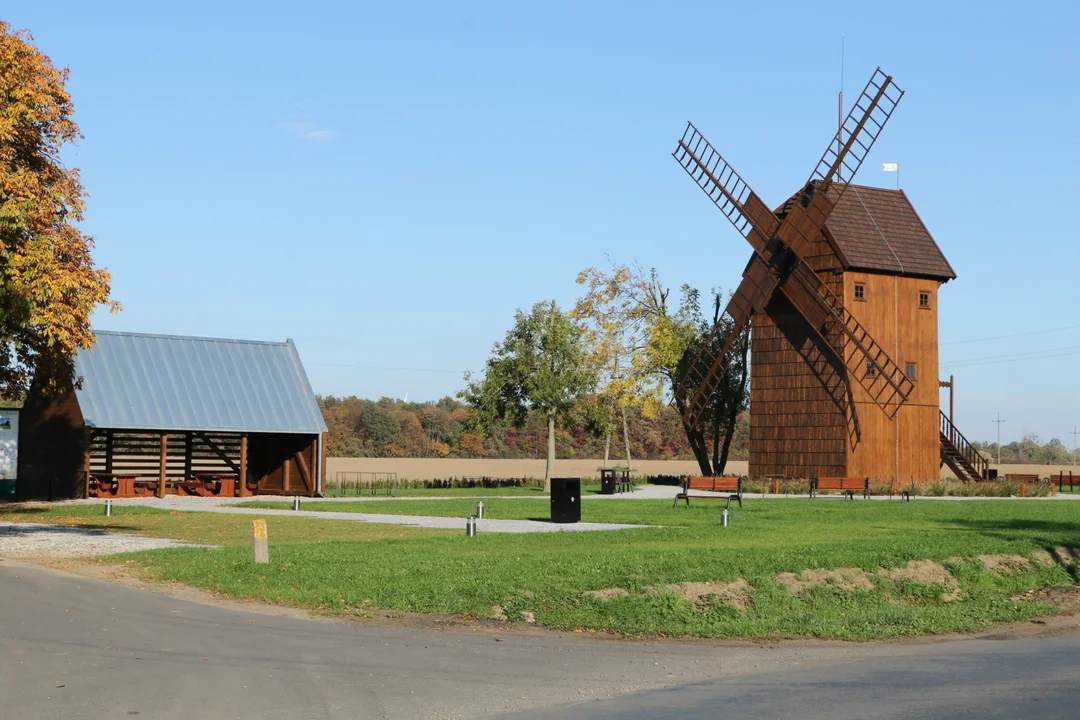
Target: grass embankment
{"type": "Point", "coordinates": [904, 569]}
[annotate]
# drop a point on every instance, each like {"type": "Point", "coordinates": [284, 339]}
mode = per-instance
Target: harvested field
{"type": "Point", "coordinates": [442, 468]}
{"type": "Point", "coordinates": [439, 468]}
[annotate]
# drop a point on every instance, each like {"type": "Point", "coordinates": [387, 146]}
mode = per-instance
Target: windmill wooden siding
{"type": "Point", "coordinates": [808, 415]}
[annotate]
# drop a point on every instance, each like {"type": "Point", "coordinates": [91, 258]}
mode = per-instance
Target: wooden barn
{"type": "Point", "coordinates": [160, 414]}
{"type": "Point", "coordinates": [840, 297]}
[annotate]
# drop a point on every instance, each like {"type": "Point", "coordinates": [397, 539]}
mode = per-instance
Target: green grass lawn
{"type": "Point", "coordinates": [548, 575]}
{"type": "Point", "coordinates": [207, 528]}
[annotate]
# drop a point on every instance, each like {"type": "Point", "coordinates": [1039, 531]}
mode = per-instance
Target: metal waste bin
{"type": "Point", "coordinates": [565, 500]}
{"type": "Point", "coordinates": [607, 481]}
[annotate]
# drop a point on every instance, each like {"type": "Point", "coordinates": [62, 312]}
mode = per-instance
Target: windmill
{"type": "Point", "coordinates": [792, 251]}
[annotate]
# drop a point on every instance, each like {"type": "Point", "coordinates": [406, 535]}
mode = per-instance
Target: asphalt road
{"type": "Point", "coordinates": [72, 647]}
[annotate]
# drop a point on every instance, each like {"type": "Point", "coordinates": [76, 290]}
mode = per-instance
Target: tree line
{"type": "Point", "coordinates": [1030, 452]}
{"type": "Point", "coordinates": [392, 428]}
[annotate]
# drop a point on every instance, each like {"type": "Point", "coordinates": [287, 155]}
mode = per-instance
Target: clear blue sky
{"type": "Point", "coordinates": [385, 183]}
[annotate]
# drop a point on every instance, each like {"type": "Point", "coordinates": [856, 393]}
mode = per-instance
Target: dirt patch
{"type": "Point", "coordinates": [1065, 597]}
{"type": "Point", "coordinates": [607, 593]}
{"type": "Point", "coordinates": [1058, 556]}
{"type": "Point", "coordinates": [846, 579]}
{"type": "Point", "coordinates": [1005, 564]}
{"type": "Point", "coordinates": [927, 572]}
{"type": "Point", "coordinates": [735, 593]}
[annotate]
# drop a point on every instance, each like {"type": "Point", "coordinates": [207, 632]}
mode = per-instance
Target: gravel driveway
{"type": "Point", "coordinates": [23, 540]}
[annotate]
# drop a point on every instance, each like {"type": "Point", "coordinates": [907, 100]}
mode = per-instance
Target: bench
{"type": "Point", "coordinates": [1022, 478]}
{"type": "Point", "coordinates": [732, 486]}
{"type": "Point", "coordinates": [851, 485]}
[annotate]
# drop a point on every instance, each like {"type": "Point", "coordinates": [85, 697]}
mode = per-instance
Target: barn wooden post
{"type": "Point", "coordinates": [164, 465]}
{"type": "Point", "coordinates": [313, 471]}
{"type": "Point", "coordinates": [187, 455]}
{"type": "Point", "coordinates": [322, 462]}
{"type": "Point", "coordinates": [108, 451]}
{"type": "Point", "coordinates": [87, 437]}
{"type": "Point", "coordinates": [241, 485]}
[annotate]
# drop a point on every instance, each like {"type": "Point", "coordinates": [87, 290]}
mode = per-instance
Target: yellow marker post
{"type": "Point", "coordinates": [260, 549]}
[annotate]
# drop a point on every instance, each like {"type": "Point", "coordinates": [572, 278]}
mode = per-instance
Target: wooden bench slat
{"type": "Point", "coordinates": [730, 485]}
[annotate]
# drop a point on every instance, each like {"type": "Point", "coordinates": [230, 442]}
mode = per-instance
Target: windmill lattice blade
{"type": "Point", "coordinates": [725, 187]}
{"type": "Point", "coordinates": [859, 131]}
{"type": "Point", "coordinates": [887, 386]}
{"type": "Point", "coordinates": [704, 374]}
{"type": "Point", "coordinates": [841, 160]}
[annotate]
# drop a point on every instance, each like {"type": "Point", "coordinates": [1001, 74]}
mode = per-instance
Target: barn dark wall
{"type": "Point", "coordinates": [52, 447]}
{"type": "Point", "coordinates": [285, 464]}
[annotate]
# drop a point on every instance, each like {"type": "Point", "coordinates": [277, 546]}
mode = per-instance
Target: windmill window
{"type": "Point", "coordinates": [924, 299]}
{"type": "Point", "coordinates": [860, 291]}
{"type": "Point", "coordinates": [871, 369]}
{"type": "Point", "coordinates": [911, 370]}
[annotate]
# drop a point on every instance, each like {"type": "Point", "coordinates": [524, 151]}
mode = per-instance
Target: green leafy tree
{"type": "Point", "coordinates": [663, 341]}
{"type": "Point", "coordinates": [542, 365]}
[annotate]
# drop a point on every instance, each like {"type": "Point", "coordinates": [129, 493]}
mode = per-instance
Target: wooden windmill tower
{"type": "Point", "coordinates": [840, 296]}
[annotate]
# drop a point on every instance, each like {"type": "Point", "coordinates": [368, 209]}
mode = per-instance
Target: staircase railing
{"type": "Point", "coordinates": [966, 450]}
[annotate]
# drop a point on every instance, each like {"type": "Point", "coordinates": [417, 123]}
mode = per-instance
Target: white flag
{"type": "Point", "coordinates": [890, 167]}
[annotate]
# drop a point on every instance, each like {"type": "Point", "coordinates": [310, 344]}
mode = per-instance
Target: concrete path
{"type": "Point", "coordinates": [228, 506]}
{"type": "Point", "coordinates": [73, 647]}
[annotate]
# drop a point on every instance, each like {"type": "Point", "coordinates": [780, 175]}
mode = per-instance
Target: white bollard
{"type": "Point", "coordinates": [480, 510]}
{"type": "Point", "coordinates": [724, 517]}
{"type": "Point", "coordinates": [296, 503]}
{"type": "Point", "coordinates": [108, 508]}
{"type": "Point", "coordinates": [470, 527]}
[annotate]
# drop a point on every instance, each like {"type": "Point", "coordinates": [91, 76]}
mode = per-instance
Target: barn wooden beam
{"type": "Point", "coordinates": [221, 453]}
{"type": "Point", "coordinates": [304, 474]}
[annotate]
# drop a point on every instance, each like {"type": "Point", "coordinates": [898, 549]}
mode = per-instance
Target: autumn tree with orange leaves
{"type": "Point", "coordinates": [48, 283]}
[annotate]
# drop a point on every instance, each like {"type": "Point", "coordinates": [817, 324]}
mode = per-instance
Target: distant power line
{"type": "Point", "coordinates": [1015, 357]}
{"type": "Point", "coordinates": [1012, 335]}
{"type": "Point", "coordinates": [386, 369]}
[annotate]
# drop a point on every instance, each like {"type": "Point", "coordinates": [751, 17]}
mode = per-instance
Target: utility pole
{"type": "Point", "coordinates": [999, 421]}
{"type": "Point", "coordinates": [1074, 433]}
{"type": "Point", "coordinates": [951, 384]}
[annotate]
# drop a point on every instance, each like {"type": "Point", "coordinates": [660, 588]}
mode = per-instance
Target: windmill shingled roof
{"type": "Point", "coordinates": [133, 381]}
{"type": "Point", "coordinates": [878, 230]}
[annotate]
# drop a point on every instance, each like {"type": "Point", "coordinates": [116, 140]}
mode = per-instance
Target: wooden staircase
{"type": "Point", "coordinates": [956, 452]}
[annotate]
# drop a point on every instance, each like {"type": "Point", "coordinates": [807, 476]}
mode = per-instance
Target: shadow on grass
{"type": "Point", "coordinates": [1057, 538]}
{"type": "Point", "coordinates": [18, 509]}
{"type": "Point", "coordinates": [1021, 525]}
{"type": "Point", "coordinates": [19, 530]}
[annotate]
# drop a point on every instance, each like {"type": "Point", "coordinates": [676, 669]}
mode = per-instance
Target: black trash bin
{"type": "Point", "coordinates": [565, 500]}
{"type": "Point", "coordinates": [607, 481]}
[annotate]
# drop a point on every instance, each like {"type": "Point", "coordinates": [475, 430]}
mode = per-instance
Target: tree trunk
{"type": "Point", "coordinates": [716, 446]}
{"type": "Point", "coordinates": [696, 440]}
{"type": "Point", "coordinates": [626, 441]}
{"type": "Point", "coordinates": [733, 416]}
{"type": "Point", "coordinates": [607, 449]}
{"type": "Point", "coordinates": [549, 472]}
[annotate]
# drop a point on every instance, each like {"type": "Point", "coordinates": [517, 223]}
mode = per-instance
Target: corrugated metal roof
{"type": "Point", "coordinates": [133, 381]}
